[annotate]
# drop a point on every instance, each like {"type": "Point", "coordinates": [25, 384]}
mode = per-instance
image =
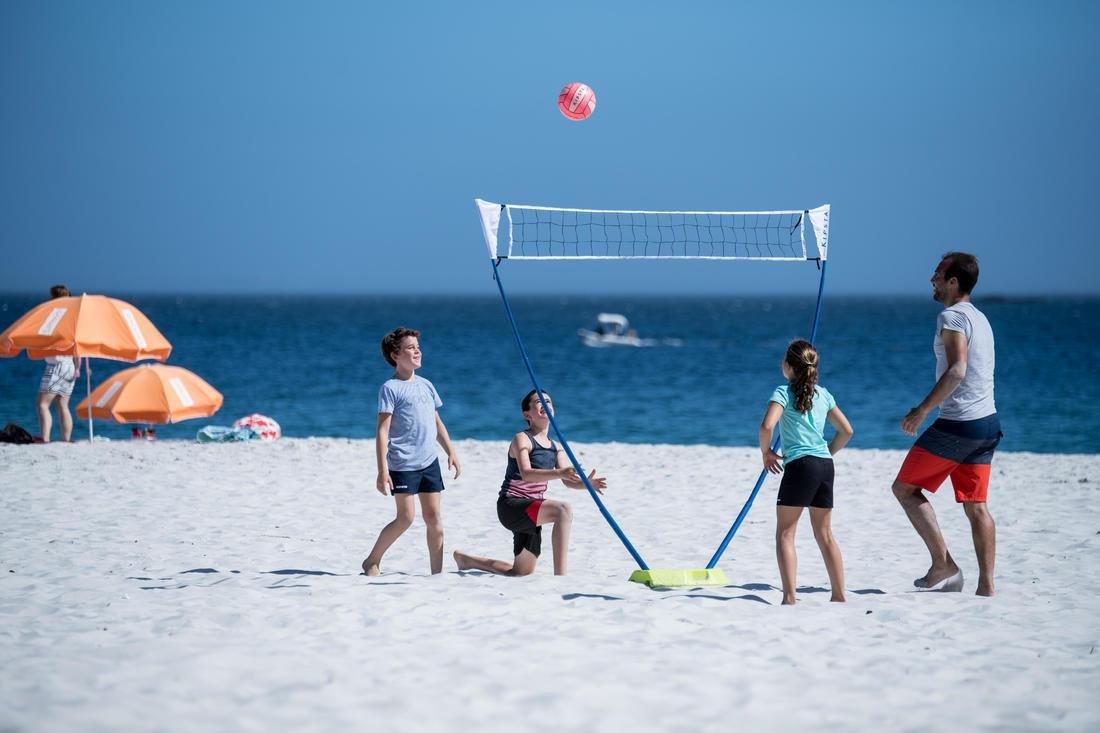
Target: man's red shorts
{"type": "Point", "coordinates": [962, 450]}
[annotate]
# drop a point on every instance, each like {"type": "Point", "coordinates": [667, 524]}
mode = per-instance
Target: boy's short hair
{"type": "Point", "coordinates": [529, 399]}
{"type": "Point", "coordinates": [962, 266]}
{"type": "Point", "coordinates": [391, 342]}
{"type": "Point", "coordinates": [59, 291]}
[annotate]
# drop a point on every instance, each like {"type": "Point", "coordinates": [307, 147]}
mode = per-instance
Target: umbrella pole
{"type": "Point", "coordinates": [88, 374]}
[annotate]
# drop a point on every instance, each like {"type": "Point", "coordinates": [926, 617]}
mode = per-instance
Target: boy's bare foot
{"type": "Point", "coordinates": [461, 561]}
{"type": "Point", "coordinates": [838, 599]}
{"type": "Point", "coordinates": [370, 567]}
{"type": "Point", "coordinates": [984, 589]}
{"type": "Point", "coordinates": [787, 601]}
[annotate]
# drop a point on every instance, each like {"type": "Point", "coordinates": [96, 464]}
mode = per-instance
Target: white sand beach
{"type": "Point", "coordinates": [183, 587]}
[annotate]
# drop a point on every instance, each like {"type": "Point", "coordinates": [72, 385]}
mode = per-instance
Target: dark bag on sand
{"type": "Point", "coordinates": [12, 433]}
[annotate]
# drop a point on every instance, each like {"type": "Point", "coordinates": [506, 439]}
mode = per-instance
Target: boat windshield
{"type": "Point", "coordinates": [611, 324]}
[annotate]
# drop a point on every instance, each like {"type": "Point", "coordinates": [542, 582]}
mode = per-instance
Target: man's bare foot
{"type": "Point", "coordinates": [936, 575]}
{"type": "Point", "coordinates": [838, 599]}
{"type": "Point", "coordinates": [461, 561]}
{"type": "Point", "coordinates": [787, 601]}
{"type": "Point", "coordinates": [370, 567]}
{"type": "Point", "coordinates": [984, 589]}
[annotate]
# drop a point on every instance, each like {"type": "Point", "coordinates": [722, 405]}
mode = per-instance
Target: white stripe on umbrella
{"type": "Point", "coordinates": [128, 316]}
{"type": "Point", "coordinates": [181, 391]}
{"type": "Point", "coordinates": [111, 392]}
{"type": "Point", "coordinates": [51, 322]}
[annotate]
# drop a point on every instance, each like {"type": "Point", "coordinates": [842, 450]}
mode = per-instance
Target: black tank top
{"type": "Point", "coordinates": [541, 457]}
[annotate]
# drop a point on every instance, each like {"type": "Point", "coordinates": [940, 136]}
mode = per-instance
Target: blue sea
{"type": "Point", "coordinates": [313, 363]}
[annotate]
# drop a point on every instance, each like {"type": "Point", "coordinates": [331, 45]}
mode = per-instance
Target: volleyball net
{"type": "Point", "coordinates": [522, 232]}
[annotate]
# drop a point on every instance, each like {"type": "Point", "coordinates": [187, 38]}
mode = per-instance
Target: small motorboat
{"type": "Point", "coordinates": [612, 329]}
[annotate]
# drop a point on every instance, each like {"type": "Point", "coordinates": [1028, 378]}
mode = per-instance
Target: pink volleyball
{"type": "Point", "coordinates": [577, 101]}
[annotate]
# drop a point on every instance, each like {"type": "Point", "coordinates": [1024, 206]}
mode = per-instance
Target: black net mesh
{"type": "Point", "coordinates": [572, 234]}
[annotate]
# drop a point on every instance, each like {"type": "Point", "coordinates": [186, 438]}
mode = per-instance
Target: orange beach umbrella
{"type": "Point", "coordinates": [85, 326]}
{"type": "Point", "coordinates": [152, 393]}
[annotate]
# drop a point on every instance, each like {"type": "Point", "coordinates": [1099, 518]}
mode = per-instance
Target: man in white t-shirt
{"type": "Point", "coordinates": [961, 442]}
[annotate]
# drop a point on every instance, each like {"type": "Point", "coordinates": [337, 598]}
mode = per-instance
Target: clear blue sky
{"type": "Point", "coordinates": [338, 146]}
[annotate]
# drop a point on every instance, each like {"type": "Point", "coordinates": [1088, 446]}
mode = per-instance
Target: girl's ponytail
{"type": "Point", "coordinates": [802, 359]}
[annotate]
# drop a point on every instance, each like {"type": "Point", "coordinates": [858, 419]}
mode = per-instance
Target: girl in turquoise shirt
{"type": "Point", "coordinates": [801, 408]}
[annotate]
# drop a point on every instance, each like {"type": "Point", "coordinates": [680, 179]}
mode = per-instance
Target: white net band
{"type": "Point", "coordinates": [541, 232]}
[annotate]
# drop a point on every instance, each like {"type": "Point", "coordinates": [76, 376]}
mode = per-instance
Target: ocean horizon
{"type": "Point", "coordinates": [313, 363]}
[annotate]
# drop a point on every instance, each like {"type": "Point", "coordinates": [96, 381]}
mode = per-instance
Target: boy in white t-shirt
{"type": "Point", "coordinates": [408, 428]}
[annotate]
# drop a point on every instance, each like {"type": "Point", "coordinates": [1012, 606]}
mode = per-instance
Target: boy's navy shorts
{"type": "Point", "coordinates": [425, 481]}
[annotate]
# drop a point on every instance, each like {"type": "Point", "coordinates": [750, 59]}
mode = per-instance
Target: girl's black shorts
{"type": "Point", "coordinates": [807, 481]}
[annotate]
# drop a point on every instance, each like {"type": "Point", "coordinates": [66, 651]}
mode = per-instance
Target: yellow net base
{"type": "Point", "coordinates": [679, 577]}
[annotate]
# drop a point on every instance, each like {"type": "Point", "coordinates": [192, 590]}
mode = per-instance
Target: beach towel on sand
{"type": "Point", "coordinates": [221, 434]}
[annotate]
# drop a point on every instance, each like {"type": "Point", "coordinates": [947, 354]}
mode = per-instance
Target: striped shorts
{"type": "Point", "coordinates": [59, 378]}
{"type": "Point", "coordinates": [959, 449]}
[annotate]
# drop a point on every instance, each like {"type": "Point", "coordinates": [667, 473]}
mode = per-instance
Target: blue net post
{"type": "Point", "coordinates": [554, 424]}
{"type": "Point", "coordinates": [775, 443]}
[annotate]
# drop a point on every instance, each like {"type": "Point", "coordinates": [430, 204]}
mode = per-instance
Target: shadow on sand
{"type": "Point", "coordinates": [857, 591]}
{"type": "Point", "coordinates": [711, 596]}
{"type": "Point", "coordinates": [279, 584]}
{"type": "Point", "coordinates": [600, 596]}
